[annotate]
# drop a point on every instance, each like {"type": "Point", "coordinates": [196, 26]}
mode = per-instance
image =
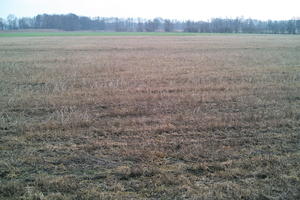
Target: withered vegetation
{"type": "Point", "coordinates": [195, 117]}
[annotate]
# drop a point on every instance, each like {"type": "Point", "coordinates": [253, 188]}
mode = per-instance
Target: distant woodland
{"type": "Point", "coordinates": [72, 22]}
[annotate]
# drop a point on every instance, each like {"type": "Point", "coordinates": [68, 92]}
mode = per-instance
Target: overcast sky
{"type": "Point", "coordinates": [173, 9]}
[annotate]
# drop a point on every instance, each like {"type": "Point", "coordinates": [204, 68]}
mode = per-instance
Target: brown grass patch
{"type": "Point", "coordinates": [210, 117]}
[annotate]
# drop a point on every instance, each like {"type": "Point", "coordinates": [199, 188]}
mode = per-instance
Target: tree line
{"type": "Point", "coordinates": [72, 22]}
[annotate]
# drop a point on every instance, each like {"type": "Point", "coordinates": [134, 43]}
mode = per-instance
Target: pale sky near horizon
{"type": "Point", "coordinates": [172, 9]}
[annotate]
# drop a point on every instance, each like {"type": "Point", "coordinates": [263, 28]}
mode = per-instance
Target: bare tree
{"type": "Point", "coordinates": [298, 25]}
{"type": "Point", "coordinates": [291, 26]}
{"type": "Point", "coordinates": [140, 25]}
{"type": "Point", "coordinates": [25, 23]}
{"type": "Point", "coordinates": [168, 25]}
{"type": "Point", "coordinates": [149, 26]}
{"type": "Point", "coordinates": [12, 21]}
{"type": "Point", "coordinates": [157, 23]}
{"type": "Point", "coordinates": [1, 24]}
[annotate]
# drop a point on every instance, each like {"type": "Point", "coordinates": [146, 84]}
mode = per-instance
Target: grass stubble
{"type": "Point", "coordinates": [141, 117]}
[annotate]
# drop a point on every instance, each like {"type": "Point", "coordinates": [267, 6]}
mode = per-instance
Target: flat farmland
{"type": "Point", "coordinates": [150, 117]}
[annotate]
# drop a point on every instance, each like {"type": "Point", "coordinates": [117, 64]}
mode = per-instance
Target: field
{"type": "Point", "coordinates": [144, 117]}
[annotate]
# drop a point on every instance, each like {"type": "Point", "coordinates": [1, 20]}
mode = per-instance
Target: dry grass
{"type": "Point", "coordinates": [207, 117]}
